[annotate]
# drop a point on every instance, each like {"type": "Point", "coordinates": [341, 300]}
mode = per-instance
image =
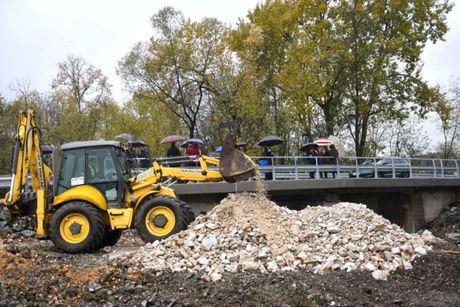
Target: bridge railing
{"type": "Point", "coordinates": [302, 167]}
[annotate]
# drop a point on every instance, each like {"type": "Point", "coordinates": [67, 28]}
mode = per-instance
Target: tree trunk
{"type": "Point", "coordinates": [360, 152]}
{"type": "Point", "coordinates": [329, 119]}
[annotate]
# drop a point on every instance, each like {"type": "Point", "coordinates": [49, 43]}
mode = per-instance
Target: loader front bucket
{"type": "Point", "coordinates": [235, 165]}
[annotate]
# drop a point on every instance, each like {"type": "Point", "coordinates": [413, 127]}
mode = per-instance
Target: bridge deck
{"type": "Point", "coordinates": [314, 185]}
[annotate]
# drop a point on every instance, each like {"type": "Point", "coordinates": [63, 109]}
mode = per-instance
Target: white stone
{"type": "Point", "coordinates": [370, 266]}
{"type": "Point", "coordinates": [420, 250]}
{"type": "Point", "coordinates": [216, 276]}
{"type": "Point", "coordinates": [232, 268]}
{"type": "Point", "coordinates": [189, 243]}
{"type": "Point", "coordinates": [209, 242]}
{"type": "Point", "coordinates": [295, 229]}
{"type": "Point", "coordinates": [380, 275]}
{"type": "Point", "coordinates": [211, 226]}
{"type": "Point", "coordinates": [333, 229]}
{"type": "Point", "coordinates": [407, 265]}
{"type": "Point", "coordinates": [199, 226]}
{"type": "Point", "coordinates": [349, 266]}
{"type": "Point", "coordinates": [203, 261]}
{"type": "Point", "coordinates": [272, 266]}
{"type": "Point", "coordinates": [249, 264]}
{"type": "Point", "coordinates": [280, 261]}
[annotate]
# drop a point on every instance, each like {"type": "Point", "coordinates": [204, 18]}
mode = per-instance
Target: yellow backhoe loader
{"type": "Point", "coordinates": [94, 197]}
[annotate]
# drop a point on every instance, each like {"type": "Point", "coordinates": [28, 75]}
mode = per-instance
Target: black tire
{"type": "Point", "coordinates": [95, 221]}
{"type": "Point", "coordinates": [111, 237]}
{"type": "Point", "coordinates": [188, 212]}
{"type": "Point", "coordinates": [150, 232]}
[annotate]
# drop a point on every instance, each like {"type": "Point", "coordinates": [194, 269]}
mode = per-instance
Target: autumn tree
{"type": "Point", "coordinates": [260, 44]}
{"type": "Point", "coordinates": [383, 70]}
{"type": "Point", "coordinates": [175, 67]}
{"type": "Point", "coordinates": [82, 96]}
{"type": "Point", "coordinates": [148, 124]}
{"type": "Point", "coordinates": [347, 63]}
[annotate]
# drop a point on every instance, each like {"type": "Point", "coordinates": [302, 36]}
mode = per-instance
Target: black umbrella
{"type": "Point", "coordinates": [241, 144]}
{"type": "Point", "coordinates": [46, 149]}
{"type": "Point", "coordinates": [269, 141]}
{"type": "Point", "coordinates": [137, 143]}
{"type": "Point", "coordinates": [305, 146]}
{"type": "Point", "coordinates": [127, 137]}
{"type": "Point", "coordinates": [196, 141]}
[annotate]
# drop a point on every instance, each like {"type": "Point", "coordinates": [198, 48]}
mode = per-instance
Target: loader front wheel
{"type": "Point", "coordinates": [111, 237]}
{"type": "Point", "coordinates": [77, 227]}
{"type": "Point", "coordinates": [159, 218]}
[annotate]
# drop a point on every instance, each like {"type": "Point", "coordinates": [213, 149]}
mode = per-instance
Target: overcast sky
{"type": "Point", "coordinates": [35, 35]}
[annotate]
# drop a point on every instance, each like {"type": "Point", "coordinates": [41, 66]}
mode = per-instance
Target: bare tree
{"type": "Point", "coordinates": [84, 83]}
{"type": "Point", "coordinates": [450, 121]}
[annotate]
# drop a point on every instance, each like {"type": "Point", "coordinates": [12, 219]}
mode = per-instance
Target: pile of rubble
{"type": "Point", "coordinates": [15, 227]}
{"type": "Point", "coordinates": [249, 232]}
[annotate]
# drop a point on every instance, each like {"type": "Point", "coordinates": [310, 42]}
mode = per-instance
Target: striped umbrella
{"type": "Point", "coordinates": [323, 142]}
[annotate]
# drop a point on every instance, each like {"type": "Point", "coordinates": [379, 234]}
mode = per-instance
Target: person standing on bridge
{"type": "Point", "coordinates": [323, 152]}
{"type": "Point", "coordinates": [313, 154]}
{"type": "Point", "coordinates": [334, 154]}
{"type": "Point", "coordinates": [173, 151]}
{"type": "Point", "coordinates": [268, 154]}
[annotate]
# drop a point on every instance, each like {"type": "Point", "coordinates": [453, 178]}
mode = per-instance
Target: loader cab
{"type": "Point", "coordinates": [101, 164]}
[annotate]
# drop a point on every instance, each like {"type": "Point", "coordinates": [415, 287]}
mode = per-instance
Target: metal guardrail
{"type": "Point", "coordinates": [303, 167]}
{"type": "Point", "coordinates": [306, 167]}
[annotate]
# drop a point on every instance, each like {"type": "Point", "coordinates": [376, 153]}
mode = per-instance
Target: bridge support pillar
{"type": "Point", "coordinates": [424, 207]}
{"type": "Point", "coordinates": [331, 199]}
{"type": "Point", "coordinates": [433, 203]}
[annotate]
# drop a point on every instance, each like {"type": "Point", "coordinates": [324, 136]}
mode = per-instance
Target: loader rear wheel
{"type": "Point", "coordinates": [160, 217]}
{"type": "Point", "coordinates": [77, 227]}
{"type": "Point", "coordinates": [111, 237]}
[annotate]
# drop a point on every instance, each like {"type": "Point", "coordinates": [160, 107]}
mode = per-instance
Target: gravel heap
{"type": "Point", "coordinates": [249, 232]}
{"type": "Point", "coordinates": [15, 227]}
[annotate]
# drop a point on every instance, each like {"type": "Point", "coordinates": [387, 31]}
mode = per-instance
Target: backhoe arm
{"type": "Point", "coordinates": [158, 173]}
{"type": "Point", "coordinates": [232, 166]}
{"type": "Point", "coordinates": [27, 157]}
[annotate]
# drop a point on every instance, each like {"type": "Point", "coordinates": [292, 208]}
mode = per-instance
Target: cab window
{"type": "Point", "coordinates": [72, 170]}
{"type": "Point", "coordinates": [101, 172]}
{"type": "Point", "coordinates": [100, 166]}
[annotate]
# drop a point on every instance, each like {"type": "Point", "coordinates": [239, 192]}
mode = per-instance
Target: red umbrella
{"type": "Point", "coordinates": [172, 139]}
{"type": "Point", "coordinates": [323, 142]}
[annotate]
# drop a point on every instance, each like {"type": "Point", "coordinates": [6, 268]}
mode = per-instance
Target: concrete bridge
{"type": "Point", "coordinates": [410, 203]}
{"type": "Point", "coordinates": [409, 192]}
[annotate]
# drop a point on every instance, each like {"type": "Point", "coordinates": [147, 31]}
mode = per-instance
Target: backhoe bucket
{"type": "Point", "coordinates": [235, 165]}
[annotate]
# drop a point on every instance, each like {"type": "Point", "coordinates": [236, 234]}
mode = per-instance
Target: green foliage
{"type": "Point", "coordinates": [175, 67]}
{"type": "Point", "coordinates": [346, 62]}
{"type": "Point", "coordinates": [149, 121]}
{"type": "Point", "coordinates": [299, 69]}
{"type": "Point", "coordinates": [8, 123]}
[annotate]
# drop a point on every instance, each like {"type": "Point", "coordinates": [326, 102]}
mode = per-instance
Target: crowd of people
{"type": "Point", "coordinates": [316, 155]}
{"type": "Point", "coordinates": [322, 155]}
{"type": "Point", "coordinates": [192, 149]}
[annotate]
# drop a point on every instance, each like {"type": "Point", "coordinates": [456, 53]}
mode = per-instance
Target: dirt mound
{"type": "Point", "coordinates": [447, 225]}
{"type": "Point", "coordinates": [249, 232]}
